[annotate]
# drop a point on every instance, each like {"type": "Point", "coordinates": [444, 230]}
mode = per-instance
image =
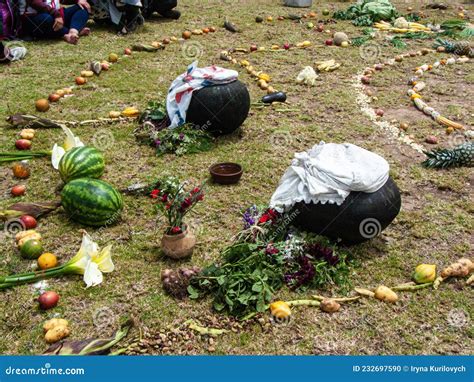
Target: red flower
{"type": "Point", "coordinates": [195, 190]}
{"type": "Point", "coordinates": [273, 214]}
{"type": "Point", "coordinates": [154, 194]}
{"type": "Point", "coordinates": [271, 250]}
{"type": "Point", "coordinates": [186, 204]}
{"type": "Point", "coordinates": [200, 197]}
{"type": "Point", "coordinates": [164, 198]}
{"type": "Point", "coordinates": [168, 206]}
{"type": "Point", "coordinates": [176, 230]}
{"type": "Point", "coordinates": [269, 215]}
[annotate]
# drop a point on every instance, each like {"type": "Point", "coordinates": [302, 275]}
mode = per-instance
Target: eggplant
{"type": "Point", "coordinates": [294, 17]}
{"type": "Point", "coordinates": [274, 97]}
{"type": "Point", "coordinates": [231, 27]}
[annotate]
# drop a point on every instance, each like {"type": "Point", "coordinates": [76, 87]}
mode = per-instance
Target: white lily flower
{"type": "Point", "coordinates": [90, 262]}
{"type": "Point", "coordinates": [70, 142]}
{"type": "Point", "coordinates": [92, 275]}
{"type": "Point", "coordinates": [104, 260]}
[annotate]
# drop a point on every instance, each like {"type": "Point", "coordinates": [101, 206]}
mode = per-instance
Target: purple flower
{"type": "Point", "coordinates": [303, 275]}
{"type": "Point", "coordinates": [181, 136]}
{"type": "Point", "coordinates": [157, 142]}
{"type": "Point", "coordinates": [250, 217]}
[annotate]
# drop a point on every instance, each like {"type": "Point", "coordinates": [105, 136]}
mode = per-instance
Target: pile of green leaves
{"type": "Point", "coordinates": [244, 283]}
{"type": "Point", "coordinates": [457, 29]}
{"type": "Point", "coordinates": [398, 42]}
{"type": "Point", "coordinates": [366, 12]}
{"type": "Point", "coordinates": [154, 131]}
{"type": "Point", "coordinates": [368, 34]}
{"type": "Point", "coordinates": [185, 139]}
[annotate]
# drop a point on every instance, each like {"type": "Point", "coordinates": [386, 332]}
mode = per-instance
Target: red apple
{"type": "Point", "coordinates": [18, 190]}
{"type": "Point", "coordinates": [286, 46]}
{"type": "Point", "coordinates": [28, 221]}
{"type": "Point", "coordinates": [23, 144]}
{"type": "Point", "coordinates": [320, 28]}
{"type": "Point", "coordinates": [48, 300]}
{"type": "Point", "coordinates": [329, 42]}
{"type": "Point", "coordinates": [127, 51]}
{"type": "Point", "coordinates": [253, 47]}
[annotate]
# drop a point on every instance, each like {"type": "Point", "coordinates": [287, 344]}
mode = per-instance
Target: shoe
{"type": "Point", "coordinates": [17, 53]}
{"type": "Point", "coordinates": [171, 14]}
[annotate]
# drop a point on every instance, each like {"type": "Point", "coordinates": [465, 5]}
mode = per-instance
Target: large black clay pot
{"type": "Point", "coordinates": [361, 217]}
{"type": "Point", "coordinates": [220, 109]}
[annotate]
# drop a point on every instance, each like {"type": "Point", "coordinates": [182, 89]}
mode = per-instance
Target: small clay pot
{"type": "Point", "coordinates": [178, 246]}
{"type": "Point", "coordinates": [226, 173]}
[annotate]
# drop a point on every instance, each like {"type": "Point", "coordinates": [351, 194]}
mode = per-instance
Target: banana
{"type": "Point", "coordinates": [327, 66]}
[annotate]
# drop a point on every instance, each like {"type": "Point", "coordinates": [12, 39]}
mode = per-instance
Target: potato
{"type": "Point", "coordinates": [384, 293]}
{"type": "Point", "coordinates": [329, 306]}
{"type": "Point", "coordinates": [56, 334]}
{"type": "Point", "coordinates": [33, 236]}
{"type": "Point", "coordinates": [22, 234]}
{"type": "Point", "coordinates": [50, 324]}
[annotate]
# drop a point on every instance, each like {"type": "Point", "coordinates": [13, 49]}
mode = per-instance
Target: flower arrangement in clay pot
{"type": "Point", "coordinates": [174, 201]}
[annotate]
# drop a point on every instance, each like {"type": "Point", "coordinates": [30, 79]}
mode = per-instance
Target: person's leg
{"type": "Point", "coordinates": [75, 17]}
{"type": "Point", "coordinates": [165, 8]}
{"type": "Point", "coordinates": [41, 25]}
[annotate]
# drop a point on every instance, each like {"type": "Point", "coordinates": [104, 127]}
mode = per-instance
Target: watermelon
{"type": "Point", "coordinates": [81, 162]}
{"type": "Point", "coordinates": [91, 202]}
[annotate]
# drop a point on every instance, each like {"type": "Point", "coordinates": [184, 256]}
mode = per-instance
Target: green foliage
{"type": "Point", "coordinates": [252, 271]}
{"type": "Point", "coordinates": [366, 12]}
{"type": "Point", "coordinates": [457, 29]}
{"type": "Point", "coordinates": [185, 139]}
{"type": "Point", "coordinates": [244, 284]}
{"type": "Point", "coordinates": [182, 140]}
{"type": "Point", "coordinates": [359, 41]}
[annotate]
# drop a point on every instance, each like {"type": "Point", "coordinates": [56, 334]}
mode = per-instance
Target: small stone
{"type": "Point", "coordinates": [211, 341]}
{"type": "Point", "coordinates": [211, 349]}
{"type": "Point", "coordinates": [431, 139]}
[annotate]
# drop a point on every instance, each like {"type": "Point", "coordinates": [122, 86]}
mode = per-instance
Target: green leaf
{"type": "Point", "coordinates": [193, 293]}
{"type": "Point", "coordinates": [257, 287]}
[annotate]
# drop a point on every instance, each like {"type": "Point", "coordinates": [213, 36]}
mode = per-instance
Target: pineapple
{"type": "Point", "coordinates": [459, 48]}
{"type": "Point", "coordinates": [461, 155]}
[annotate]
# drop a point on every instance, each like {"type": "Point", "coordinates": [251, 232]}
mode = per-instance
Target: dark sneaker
{"type": "Point", "coordinates": [171, 14]}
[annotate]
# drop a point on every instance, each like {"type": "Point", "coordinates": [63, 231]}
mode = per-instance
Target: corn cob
{"type": "Point", "coordinates": [447, 122]}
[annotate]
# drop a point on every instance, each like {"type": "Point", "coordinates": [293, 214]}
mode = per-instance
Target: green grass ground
{"type": "Point", "coordinates": [434, 226]}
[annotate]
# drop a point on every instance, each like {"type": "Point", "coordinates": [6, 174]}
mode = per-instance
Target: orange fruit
{"type": "Point", "coordinates": [47, 260]}
{"type": "Point", "coordinates": [42, 104]}
{"type": "Point", "coordinates": [80, 80]}
{"type": "Point", "coordinates": [187, 35]}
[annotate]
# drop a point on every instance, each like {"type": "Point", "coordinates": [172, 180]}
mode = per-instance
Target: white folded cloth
{"type": "Point", "coordinates": [182, 88]}
{"type": "Point", "coordinates": [327, 173]}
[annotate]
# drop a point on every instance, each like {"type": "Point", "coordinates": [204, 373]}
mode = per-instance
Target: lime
{"type": "Point", "coordinates": [32, 249]}
{"type": "Point", "coordinates": [326, 12]}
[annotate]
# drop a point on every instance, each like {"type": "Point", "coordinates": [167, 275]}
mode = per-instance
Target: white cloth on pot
{"type": "Point", "coordinates": [327, 173]}
{"type": "Point", "coordinates": [182, 88]}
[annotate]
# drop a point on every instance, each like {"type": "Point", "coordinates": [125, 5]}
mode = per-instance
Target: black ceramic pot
{"type": "Point", "coordinates": [220, 109]}
{"type": "Point", "coordinates": [361, 217]}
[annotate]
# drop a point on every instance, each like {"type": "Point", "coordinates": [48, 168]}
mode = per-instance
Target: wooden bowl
{"type": "Point", "coordinates": [226, 172]}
